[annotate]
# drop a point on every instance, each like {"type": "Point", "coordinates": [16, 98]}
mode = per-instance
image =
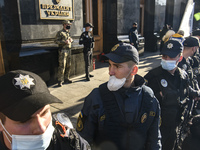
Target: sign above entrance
{"type": "Point", "coordinates": [56, 9]}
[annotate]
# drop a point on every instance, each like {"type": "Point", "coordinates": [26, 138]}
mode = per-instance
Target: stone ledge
{"type": "Point", "coordinates": [28, 49]}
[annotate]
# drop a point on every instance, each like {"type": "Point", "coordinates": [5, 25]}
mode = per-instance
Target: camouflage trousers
{"type": "Point", "coordinates": [64, 59]}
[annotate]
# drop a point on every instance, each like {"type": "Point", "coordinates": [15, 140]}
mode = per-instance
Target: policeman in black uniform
{"type": "Point", "coordinates": [189, 64]}
{"type": "Point", "coordinates": [171, 87]}
{"type": "Point", "coordinates": [26, 122]}
{"type": "Point", "coordinates": [122, 113]}
{"type": "Point", "coordinates": [133, 36]}
{"type": "Point", "coordinates": [196, 58]}
{"type": "Point", "coordinates": [88, 41]}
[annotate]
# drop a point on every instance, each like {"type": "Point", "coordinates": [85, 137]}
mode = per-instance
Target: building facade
{"type": "Point", "coordinates": [28, 29]}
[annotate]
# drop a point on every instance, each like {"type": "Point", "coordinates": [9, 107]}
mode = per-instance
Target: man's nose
{"type": "Point", "coordinates": [38, 126]}
{"type": "Point", "coordinates": [111, 71]}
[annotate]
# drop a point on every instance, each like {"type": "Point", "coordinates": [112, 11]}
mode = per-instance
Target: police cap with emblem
{"type": "Point", "coordinates": [172, 48]}
{"type": "Point", "coordinates": [191, 41]}
{"type": "Point", "coordinates": [123, 52]}
{"type": "Point", "coordinates": [88, 25]}
{"type": "Point", "coordinates": [22, 93]}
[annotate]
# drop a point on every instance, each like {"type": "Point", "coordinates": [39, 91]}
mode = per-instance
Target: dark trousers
{"type": "Point", "coordinates": [88, 60]}
{"type": "Point", "coordinates": [168, 137]}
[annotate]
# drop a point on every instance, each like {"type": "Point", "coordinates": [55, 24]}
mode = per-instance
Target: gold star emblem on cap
{"type": "Point", "coordinates": [24, 81]}
{"type": "Point", "coordinates": [115, 47]}
{"type": "Point", "coordinates": [169, 46]}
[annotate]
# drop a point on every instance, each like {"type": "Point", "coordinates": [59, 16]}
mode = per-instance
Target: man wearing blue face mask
{"type": "Point", "coordinates": [122, 113]}
{"type": "Point", "coordinates": [25, 117]}
{"type": "Point", "coordinates": [171, 87]}
{"type": "Point", "coordinates": [87, 40]}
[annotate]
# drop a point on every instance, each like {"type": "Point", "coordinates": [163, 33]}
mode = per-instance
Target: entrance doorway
{"type": "Point", "coordinates": [93, 13]}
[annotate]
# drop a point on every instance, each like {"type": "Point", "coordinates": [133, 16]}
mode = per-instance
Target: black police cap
{"type": "Point", "coordinates": [123, 52]}
{"type": "Point", "coordinates": [22, 93]}
{"type": "Point", "coordinates": [172, 48]}
{"type": "Point", "coordinates": [191, 41]}
{"type": "Point", "coordinates": [88, 25]}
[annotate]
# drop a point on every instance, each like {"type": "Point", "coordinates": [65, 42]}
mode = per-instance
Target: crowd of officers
{"type": "Point", "coordinates": [176, 86]}
{"type": "Point", "coordinates": [160, 111]}
{"type": "Point", "coordinates": [118, 115]}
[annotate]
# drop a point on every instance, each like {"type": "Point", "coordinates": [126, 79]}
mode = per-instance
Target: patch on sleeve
{"type": "Point", "coordinates": [79, 125]}
{"type": "Point", "coordinates": [152, 113]}
{"type": "Point", "coordinates": [144, 118]}
{"type": "Point", "coordinates": [102, 118]}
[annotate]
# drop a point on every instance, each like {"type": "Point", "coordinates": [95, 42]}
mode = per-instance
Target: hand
{"type": "Point", "coordinates": [70, 40]}
{"type": "Point", "coordinates": [161, 94]}
{"type": "Point", "coordinates": [67, 42]}
{"type": "Point", "coordinates": [132, 43]}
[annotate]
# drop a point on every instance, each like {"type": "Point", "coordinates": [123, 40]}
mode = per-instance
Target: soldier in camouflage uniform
{"type": "Point", "coordinates": [64, 41]}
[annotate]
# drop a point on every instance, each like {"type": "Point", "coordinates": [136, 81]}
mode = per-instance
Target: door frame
{"type": "Point", "coordinates": [2, 69]}
{"type": "Point", "coordinates": [89, 18]}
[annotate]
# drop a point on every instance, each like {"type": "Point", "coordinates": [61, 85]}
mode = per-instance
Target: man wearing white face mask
{"type": "Point", "coordinates": [171, 87]}
{"type": "Point", "coordinates": [122, 113]}
{"type": "Point", "coordinates": [87, 40]}
{"type": "Point", "coordinates": [25, 117]}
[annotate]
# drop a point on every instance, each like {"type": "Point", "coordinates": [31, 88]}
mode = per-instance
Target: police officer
{"type": "Point", "coordinates": [122, 113]}
{"type": "Point", "coordinates": [26, 122]}
{"type": "Point", "coordinates": [171, 87]}
{"type": "Point", "coordinates": [196, 58]}
{"type": "Point", "coordinates": [88, 41]}
{"type": "Point", "coordinates": [192, 140]}
{"type": "Point", "coordinates": [191, 44]}
{"type": "Point", "coordinates": [133, 36]}
{"type": "Point", "coordinates": [64, 41]}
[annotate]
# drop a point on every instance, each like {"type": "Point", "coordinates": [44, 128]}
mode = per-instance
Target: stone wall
{"type": "Point", "coordinates": [34, 28]}
{"type": "Point", "coordinates": [128, 11]}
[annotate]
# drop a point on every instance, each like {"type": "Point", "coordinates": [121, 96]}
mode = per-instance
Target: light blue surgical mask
{"type": "Point", "coordinates": [90, 30]}
{"type": "Point", "coordinates": [168, 64]}
{"type": "Point", "coordinates": [30, 142]}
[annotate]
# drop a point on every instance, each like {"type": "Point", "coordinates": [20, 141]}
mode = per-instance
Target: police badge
{"type": "Point", "coordinates": [164, 83]}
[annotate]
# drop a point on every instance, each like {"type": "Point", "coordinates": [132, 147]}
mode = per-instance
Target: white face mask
{"type": "Point", "coordinates": [168, 64]}
{"type": "Point", "coordinates": [30, 142]}
{"type": "Point", "coordinates": [115, 84]}
{"type": "Point", "coordinates": [90, 30]}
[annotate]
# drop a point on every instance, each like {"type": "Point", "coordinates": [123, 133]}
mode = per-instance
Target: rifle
{"type": "Point", "coordinates": [183, 127]}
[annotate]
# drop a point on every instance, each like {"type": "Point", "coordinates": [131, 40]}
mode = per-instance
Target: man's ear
{"type": "Point", "coordinates": [135, 70]}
